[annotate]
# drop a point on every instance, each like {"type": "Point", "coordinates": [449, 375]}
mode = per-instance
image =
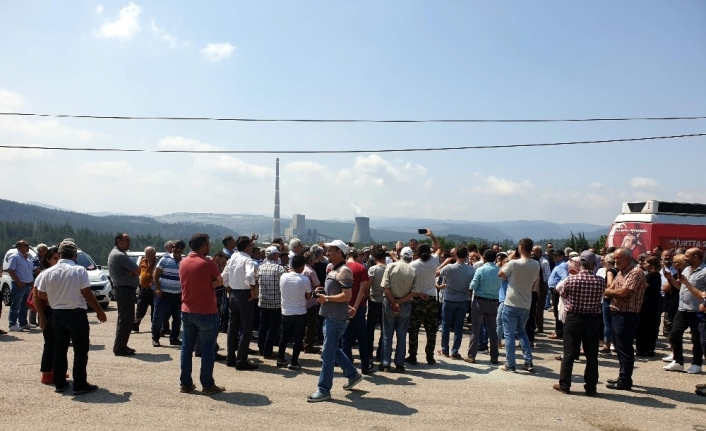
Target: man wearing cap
{"type": "Point", "coordinates": [583, 296]}
{"type": "Point", "coordinates": [240, 275]}
{"type": "Point", "coordinates": [560, 272]}
{"type": "Point", "coordinates": [20, 270]}
{"type": "Point", "coordinates": [65, 286]}
{"type": "Point", "coordinates": [334, 308]}
{"type": "Point", "coordinates": [398, 282]}
{"type": "Point", "coordinates": [269, 274]}
{"type": "Point", "coordinates": [125, 275]}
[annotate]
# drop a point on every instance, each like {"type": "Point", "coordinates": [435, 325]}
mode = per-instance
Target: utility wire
{"type": "Point", "coordinates": [397, 150]}
{"type": "Point", "coordinates": [311, 120]}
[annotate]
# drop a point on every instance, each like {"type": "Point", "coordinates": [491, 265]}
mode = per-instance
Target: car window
{"type": "Point", "coordinates": [85, 261]}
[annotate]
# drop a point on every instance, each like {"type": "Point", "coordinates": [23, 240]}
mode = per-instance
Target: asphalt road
{"type": "Point", "coordinates": [142, 392]}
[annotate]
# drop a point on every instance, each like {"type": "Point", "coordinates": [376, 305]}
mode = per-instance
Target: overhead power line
{"type": "Point", "coordinates": [397, 150]}
{"type": "Point", "coordinates": [323, 120]}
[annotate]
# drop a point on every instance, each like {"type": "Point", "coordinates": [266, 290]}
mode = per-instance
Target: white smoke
{"type": "Point", "coordinates": [358, 210]}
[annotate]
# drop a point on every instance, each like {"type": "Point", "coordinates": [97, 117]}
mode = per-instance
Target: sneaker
{"type": "Point", "coordinates": [318, 396]}
{"type": "Point", "coordinates": [185, 389]}
{"type": "Point", "coordinates": [694, 369]}
{"type": "Point", "coordinates": [529, 367]}
{"type": "Point", "coordinates": [215, 389]}
{"type": "Point", "coordinates": [352, 382]}
{"type": "Point", "coordinates": [27, 326]}
{"type": "Point", "coordinates": [15, 328]}
{"type": "Point", "coordinates": [175, 342]}
{"type": "Point", "coordinates": [295, 367]}
{"type": "Point", "coordinates": [674, 366]}
{"type": "Point", "coordinates": [155, 343]}
{"type": "Point", "coordinates": [86, 389]}
{"type": "Point", "coordinates": [507, 368]}
{"type": "Point", "coordinates": [669, 358]}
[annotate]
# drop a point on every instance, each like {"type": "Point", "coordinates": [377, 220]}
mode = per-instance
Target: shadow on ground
{"type": "Point", "coordinates": [103, 396]}
{"type": "Point", "coordinates": [358, 401]}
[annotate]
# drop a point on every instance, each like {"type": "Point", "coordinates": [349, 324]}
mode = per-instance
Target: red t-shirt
{"type": "Point", "coordinates": [197, 294]}
{"type": "Point", "coordinates": [360, 274]}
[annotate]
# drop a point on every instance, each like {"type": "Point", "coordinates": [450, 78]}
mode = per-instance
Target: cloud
{"type": "Point", "coordinates": [10, 101]}
{"type": "Point", "coordinates": [305, 169]}
{"type": "Point", "coordinates": [217, 51]}
{"type": "Point", "coordinates": [99, 9]}
{"type": "Point", "coordinates": [161, 35]}
{"type": "Point", "coordinates": [186, 144]}
{"type": "Point", "coordinates": [374, 170]}
{"type": "Point", "coordinates": [230, 164]}
{"type": "Point", "coordinates": [124, 27]}
{"type": "Point", "coordinates": [48, 129]}
{"type": "Point", "coordinates": [642, 183]}
{"type": "Point", "coordinates": [9, 154]}
{"type": "Point", "coordinates": [111, 169]}
{"type": "Point", "coordinates": [492, 185]}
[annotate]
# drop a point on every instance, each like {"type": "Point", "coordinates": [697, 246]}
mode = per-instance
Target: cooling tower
{"type": "Point", "coordinates": [276, 231]}
{"type": "Point", "coordinates": [361, 231]}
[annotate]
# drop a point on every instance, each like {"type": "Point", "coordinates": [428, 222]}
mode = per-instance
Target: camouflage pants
{"type": "Point", "coordinates": [423, 313]}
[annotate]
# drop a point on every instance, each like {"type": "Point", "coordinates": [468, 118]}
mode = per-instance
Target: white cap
{"type": "Point", "coordinates": [407, 252]}
{"type": "Point", "coordinates": [338, 243]}
{"type": "Point", "coordinates": [271, 250]}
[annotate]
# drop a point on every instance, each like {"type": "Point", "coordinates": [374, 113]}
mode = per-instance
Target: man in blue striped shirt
{"type": "Point", "coordinates": [167, 290]}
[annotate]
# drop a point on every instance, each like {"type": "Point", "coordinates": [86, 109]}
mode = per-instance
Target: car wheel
{"type": "Point", "coordinates": [6, 298]}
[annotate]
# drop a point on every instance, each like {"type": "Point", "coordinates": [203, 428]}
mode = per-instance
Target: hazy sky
{"type": "Point", "coordinates": [371, 60]}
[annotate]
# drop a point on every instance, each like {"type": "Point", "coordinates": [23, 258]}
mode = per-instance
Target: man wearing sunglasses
{"type": "Point", "coordinates": [167, 290]}
{"type": "Point", "coordinates": [20, 270]}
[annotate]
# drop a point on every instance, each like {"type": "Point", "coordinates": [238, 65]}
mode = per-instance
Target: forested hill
{"type": "Point", "coordinates": [39, 224]}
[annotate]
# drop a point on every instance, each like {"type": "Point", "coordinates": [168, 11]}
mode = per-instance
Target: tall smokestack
{"type": "Point", "coordinates": [276, 231]}
{"type": "Point", "coordinates": [361, 231]}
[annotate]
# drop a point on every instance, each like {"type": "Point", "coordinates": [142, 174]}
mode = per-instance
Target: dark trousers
{"type": "Point", "coordinates": [423, 313]}
{"type": "Point", "coordinates": [531, 322]}
{"type": "Point", "coordinates": [558, 324]}
{"type": "Point", "coordinates": [357, 330]}
{"type": "Point", "coordinates": [71, 326]}
{"type": "Point", "coordinates": [224, 311]}
{"type": "Point", "coordinates": [292, 327]}
{"type": "Point", "coordinates": [48, 352]}
{"type": "Point", "coordinates": [683, 320]}
{"type": "Point", "coordinates": [670, 305]}
{"type": "Point", "coordinates": [539, 307]}
{"type": "Point", "coordinates": [484, 312]}
{"type": "Point", "coordinates": [145, 299]}
{"type": "Point", "coordinates": [374, 318]}
{"type": "Point", "coordinates": [168, 305]}
{"type": "Point", "coordinates": [241, 320]}
{"type": "Point", "coordinates": [312, 323]}
{"type": "Point", "coordinates": [648, 329]}
{"type": "Point", "coordinates": [268, 333]}
{"type": "Point", "coordinates": [125, 297]}
{"type": "Point", "coordinates": [624, 329]}
{"type": "Point", "coordinates": [579, 329]}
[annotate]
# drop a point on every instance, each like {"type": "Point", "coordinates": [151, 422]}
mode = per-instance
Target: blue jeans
{"type": "Point", "coordinates": [357, 330]}
{"type": "Point", "coordinates": [514, 321]}
{"type": "Point", "coordinates": [453, 314]}
{"type": "Point", "coordinates": [499, 321]}
{"type": "Point", "coordinates": [607, 321]}
{"type": "Point", "coordinates": [331, 354]}
{"type": "Point", "coordinates": [18, 308]}
{"type": "Point", "coordinates": [397, 324]}
{"type": "Point", "coordinates": [205, 326]}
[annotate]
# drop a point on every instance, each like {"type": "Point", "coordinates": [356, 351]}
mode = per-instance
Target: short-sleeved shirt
{"type": "Point", "coordinates": [399, 278]}
{"type": "Point", "coordinates": [360, 274]}
{"type": "Point", "coordinates": [119, 267]}
{"type": "Point", "coordinates": [457, 277]}
{"type": "Point", "coordinates": [632, 278]}
{"type": "Point", "coordinates": [426, 274]}
{"type": "Point", "coordinates": [169, 278]}
{"type": "Point", "coordinates": [269, 274]}
{"type": "Point", "coordinates": [697, 277]}
{"type": "Point", "coordinates": [521, 274]}
{"type": "Point", "coordinates": [375, 274]}
{"type": "Point", "coordinates": [22, 266]}
{"type": "Point", "coordinates": [197, 274]}
{"type": "Point", "coordinates": [293, 290]}
{"type": "Point", "coordinates": [63, 283]}
{"type": "Point", "coordinates": [583, 293]}
{"type": "Point", "coordinates": [310, 274]}
{"type": "Point", "coordinates": [337, 279]}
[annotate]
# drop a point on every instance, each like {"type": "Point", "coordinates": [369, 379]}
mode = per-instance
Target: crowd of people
{"type": "Point", "coordinates": [334, 296]}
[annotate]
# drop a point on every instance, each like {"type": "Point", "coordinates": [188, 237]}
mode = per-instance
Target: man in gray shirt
{"type": "Point", "coordinates": [691, 281]}
{"type": "Point", "coordinates": [125, 275]}
{"type": "Point", "coordinates": [521, 274]}
{"type": "Point", "coordinates": [457, 282]}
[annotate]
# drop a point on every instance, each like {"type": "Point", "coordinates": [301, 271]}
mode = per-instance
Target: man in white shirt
{"type": "Point", "coordinates": [66, 288]}
{"type": "Point", "coordinates": [295, 290]}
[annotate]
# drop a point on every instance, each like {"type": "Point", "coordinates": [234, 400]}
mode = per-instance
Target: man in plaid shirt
{"type": "Point", "coordinates": [583, 295]}
{"type": "Point", "coordinates": [627, 292]}
{"type": "Point", "coordinates": [270, 303]}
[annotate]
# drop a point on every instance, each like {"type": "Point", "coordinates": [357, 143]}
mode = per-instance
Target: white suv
{"type": "Point", "coordinates": [101, 287]}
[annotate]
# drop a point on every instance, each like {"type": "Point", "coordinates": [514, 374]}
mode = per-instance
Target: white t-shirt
{"type": "Point", "coordinates": [520, 274]}
{"type": "Point", "coordinates": [425, 280]}
{"type": "Point", "coordinates": [63, 283]}
{"type": "Point", "coordinates": [293, 288]}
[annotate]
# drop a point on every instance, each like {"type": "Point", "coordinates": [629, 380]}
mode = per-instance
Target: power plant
{"type": "Point", "coordinates": [361, 231]}
{"type": "Point", "coordinates": [276, 230]}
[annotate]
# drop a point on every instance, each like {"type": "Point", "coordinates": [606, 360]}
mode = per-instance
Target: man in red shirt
{"type": "Point", "coordinates": [199, 277]}
{"type": "Point", "coordinates": [357, 306]}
